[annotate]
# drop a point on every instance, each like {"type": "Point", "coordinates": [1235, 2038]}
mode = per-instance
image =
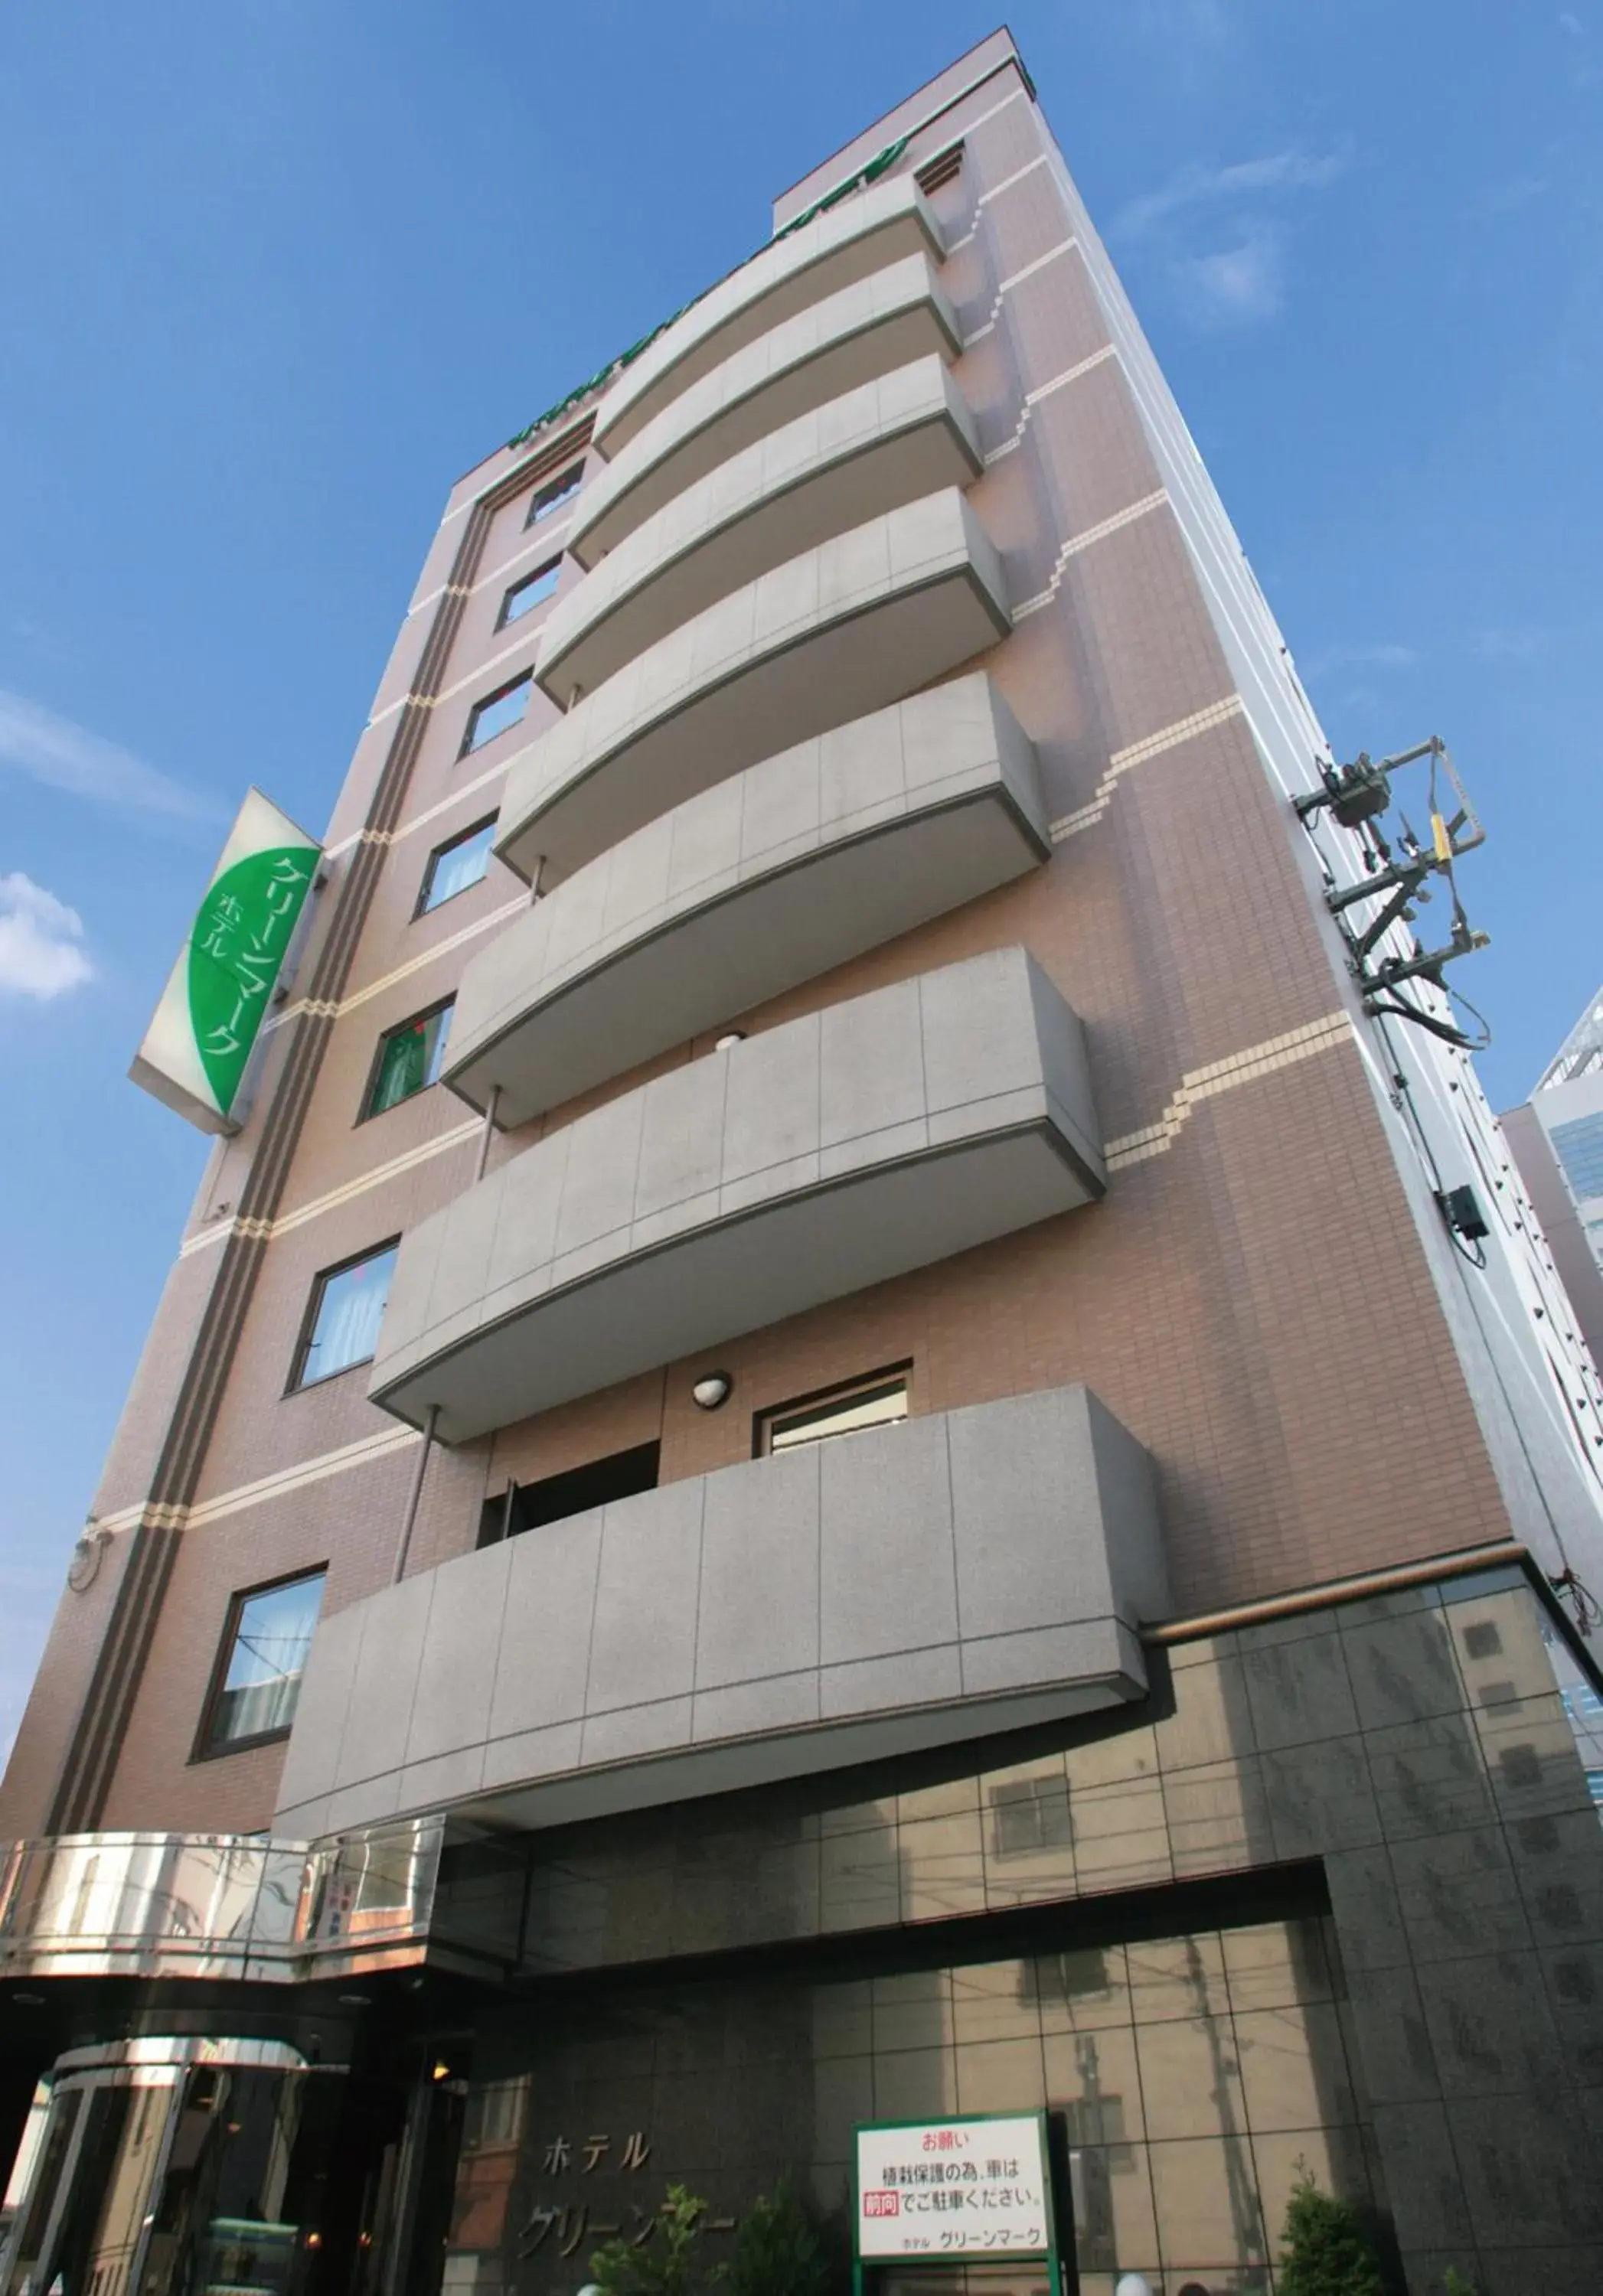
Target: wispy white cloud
{"type": "Point", "coordinates": [1511, 646]}
{"type": "Point", "coordinates": [42, 954]}
{"type": "Point", "coordinates": [1572, 24]}
{"type": "Point", "coordinates": [62, 755]}
{"type": "Point", "coordinates": [1518, 191]}
{"type": "Point", "coordinates": [1360, 657]}
{"type": "Point", "coordinates": [1218, 232]}
{"type": "Point", "coordinates": [1195, 186]}
{"type": "Point", "coordinates": [1235, 285]}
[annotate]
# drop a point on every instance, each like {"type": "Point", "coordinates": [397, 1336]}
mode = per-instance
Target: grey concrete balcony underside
{"type": "Point", "coordinates": [808, 1161]}
{"type": "Point", "coordinates": [889, 442]}
{"type": "Point", "coordinates": [974, 1570]}
{"type": "Point", "coordinates": [836, 249]}
{"type": "Point", "coordinates": [857, 623]}
{"type": "Point", "coordinates": [760, 883]}
{"type": "Point", "coordinates": [867, 330]}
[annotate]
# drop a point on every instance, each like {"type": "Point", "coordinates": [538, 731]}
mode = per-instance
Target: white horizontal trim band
{"type": "Point", "coordinates": [333, 1012]}
{"type": "Point", "coordinates": [314, 1209]}
{"type": "Point", "coordinates": [1223, 1076]}
{"type": "Point", "coordinates": [1078, 542]}
{"type": "Point", "coordinates": [1016, 280]}
{"type": "Point", "coordinates": [1172, 737]}
{"type": "Point", "coordinates": [264, 1488]}
{"type": "Point", "coordinates": [1033, 398]}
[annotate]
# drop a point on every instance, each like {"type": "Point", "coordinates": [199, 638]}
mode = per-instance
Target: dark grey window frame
{"type": "Point", "coordinates": [365, 1111]}
{"type": "Point", "coordinates": [470, 748]}
{"type": "Point", "coordinates": [839, 1391]}
{"type": "Point", "coordinates": [551, 566]}
{"type": "Point", "coordinates": [556, 489]}
{"type": "Point", "coordinates": [308, 1319]}
{"type": "Point", "coordinates": [425, 908]}
{"type": "Point", "coordinates": [204, 1750]}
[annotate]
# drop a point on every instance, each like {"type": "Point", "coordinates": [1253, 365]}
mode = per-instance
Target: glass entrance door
{"type": "Point", "coordinates": [203, 2175]}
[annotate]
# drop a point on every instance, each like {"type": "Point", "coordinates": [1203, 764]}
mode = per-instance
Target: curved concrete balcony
{"type": "Point", "coordinates": [806, 1162]}
{"type": "Point", "coordinates": [868, 330]}
{"type": "Point", "coordinates": [845, 244]}
{"type": "Point", "coordinates": [764, 880]}
{"type": "Point", "coordinates": [972, 1570]}
{"type": "Point", "coordinates": [883, 445]}
{"type": "Point", "coordinates": [847, 627]}
{"type": "Point", "coordinates": [216, 1906]}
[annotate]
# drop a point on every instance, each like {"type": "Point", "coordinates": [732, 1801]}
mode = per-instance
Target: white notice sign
{"type": "Point", "coordinates": [964, 2187]}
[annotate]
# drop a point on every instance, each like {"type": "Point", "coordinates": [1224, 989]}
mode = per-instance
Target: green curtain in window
{"type": "Point", "coordinates": [403, 1070]}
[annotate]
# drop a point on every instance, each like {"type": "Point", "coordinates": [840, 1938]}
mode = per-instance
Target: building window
{"type": "Point", "coordinates": [455, 865]}
{"type": "Point", "coordinates": [877, 1401]}
{"type": "Point", "coordinates": [1579, 1148]}
{"type": "Point", "coordinates": [1483, 1640]}
{"type": "Point", "coordinates": [1029, 1814]}
{"type": "Point", "coordinates": [263, 1656]}
{"type": "Point", "coordinates": [498, 711]}
{"type": "Point", "coordinates": [553, 494]}
{"type": "Point", "coordinates": [533, 590]}
{"type": "Point", "coordinates": [342, 1320]}
{"type": "Point", "coordinates": [409, 1058]}
{"type": "Point", "coordinates": [526, 1506]}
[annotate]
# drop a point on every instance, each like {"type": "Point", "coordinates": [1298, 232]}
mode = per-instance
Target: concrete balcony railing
{"type": "Point", "coordinates": [857, 623]}
{"type": "Point", "coordinates": [766, 881]}
{"type": "Point", "coordinates": [852, 337]}
{"type": "Point", "coordinates": [887, 443]}
{"type": "Point", "coordinates": [973, 1571]}
{"type": "Point", "coordinates": [808, 1161]}
{"type": "Point", "coordinates": [838, 248]}
{"type": "Point", "coordinates": [216, 1906]}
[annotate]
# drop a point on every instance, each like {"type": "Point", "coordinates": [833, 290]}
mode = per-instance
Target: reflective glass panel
{"type": "Point", "coordinates": [349, 1309]}
{"type": "Point", "coordinates": [865, 1407]}
{"type": "Point", "coordinates": [410, 1059]}
{"type": "Point", "coordinates": [272, 1633]}
{"type": "Point", "coordinates": [553, 494]}
{"type": "Point", "coordinates": [454, 867]}
{"type": "Point", "coordinates": [533, 590]}
{"type": "Point", "coordinates": [496, 713]}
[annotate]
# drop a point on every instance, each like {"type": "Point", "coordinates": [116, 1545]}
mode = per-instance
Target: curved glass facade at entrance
{"type": "Point", "coordinates": [194, 2167]}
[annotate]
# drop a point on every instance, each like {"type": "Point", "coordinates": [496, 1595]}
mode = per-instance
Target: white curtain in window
{"type": "Point", "coordinates": [347, 1325]}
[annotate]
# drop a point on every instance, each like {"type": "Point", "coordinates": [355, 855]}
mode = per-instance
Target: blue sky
{"type": "Point", "coordinates": [274, 274]}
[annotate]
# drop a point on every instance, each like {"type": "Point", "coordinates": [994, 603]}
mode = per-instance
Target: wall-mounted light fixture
{"type": "Point", "coordinates": [735, 1036]}
{"type": "Point", "coordinates": [710, 1391]}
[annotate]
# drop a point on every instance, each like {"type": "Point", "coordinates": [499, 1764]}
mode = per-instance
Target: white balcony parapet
{"type": "Point", "coordinates": [970, 1570]}
{"type": "Point", "coordinates": [807, 1161]}
{"type": "Point", "coordinates": [760, 883]}
{"type": "Point", "coordinates": [842, 245]}
{"type": "Point", "coordinates": [888, 442]}
{"type": "Point", "coordinates": [847, 627]}
{"type": "Point", "coordinates": [869, 329]}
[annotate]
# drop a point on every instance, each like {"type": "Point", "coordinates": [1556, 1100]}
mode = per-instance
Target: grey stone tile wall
{"type": "Point", "coordinates": [1416, 1747]}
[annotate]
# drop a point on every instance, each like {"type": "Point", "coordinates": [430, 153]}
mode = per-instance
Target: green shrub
{"type": "Point", "coordinates": [777, 2250]}
{"type": "Point", "coordinates": [1324, 2252]}
{"type": "Point", "coordinates": [665, 2265]}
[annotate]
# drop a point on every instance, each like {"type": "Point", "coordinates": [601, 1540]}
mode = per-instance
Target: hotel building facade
{"type": "Point", "coordinates": [852, 1436]}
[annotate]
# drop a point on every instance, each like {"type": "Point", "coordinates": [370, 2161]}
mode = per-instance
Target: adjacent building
{"type": "Point", "coordinates": [852, 1434]}
{"type": "Point", "coordinates": [1557, 1140]}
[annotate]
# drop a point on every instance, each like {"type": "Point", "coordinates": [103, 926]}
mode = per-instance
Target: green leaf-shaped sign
{"type": "Point", "coordinates": [240, 938]}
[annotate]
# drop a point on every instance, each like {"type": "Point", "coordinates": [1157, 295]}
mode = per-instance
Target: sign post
{"type": "Point", "coordinates": [197, 1047]}
{"type": "Point", "coordinates": [979, 2185]}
